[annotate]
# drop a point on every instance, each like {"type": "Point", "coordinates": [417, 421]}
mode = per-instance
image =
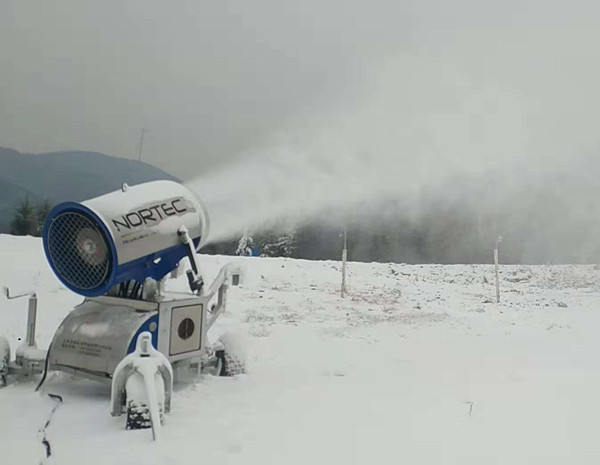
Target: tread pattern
{"type": "Point", "coordinates": [230, 364]}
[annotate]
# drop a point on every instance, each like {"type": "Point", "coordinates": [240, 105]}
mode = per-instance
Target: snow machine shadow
{"type": "Point", "coordinates": [118, 251]}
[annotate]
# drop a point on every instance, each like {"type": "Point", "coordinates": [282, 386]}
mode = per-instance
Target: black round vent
{"type": "Point", "coordinates": [186, 328]}
{"type": "Point", "coordinates": [79, 250]}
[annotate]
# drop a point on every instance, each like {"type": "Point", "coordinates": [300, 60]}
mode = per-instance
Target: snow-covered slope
{"type": "Point", "coordinates": [417, 365]}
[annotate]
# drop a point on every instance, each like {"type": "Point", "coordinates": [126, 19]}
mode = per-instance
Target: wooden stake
{"type": "Point", "coordinates": [496, 268]}
{"type": "Point", "coordinates": [344, 291]}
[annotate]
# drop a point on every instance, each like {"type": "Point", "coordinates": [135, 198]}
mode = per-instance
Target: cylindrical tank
{"type": "Point", "coordinates": [130, 234]}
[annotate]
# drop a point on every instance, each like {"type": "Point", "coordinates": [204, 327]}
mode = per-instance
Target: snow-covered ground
{"type": "Point", "coordinates": [417, 365]}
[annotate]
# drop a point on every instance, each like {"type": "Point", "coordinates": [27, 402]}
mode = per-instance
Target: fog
{"type": "Point", "coordinates": [417, 125]}
{"type": "Point", "coordinates": [286, 111]}
{"type": "Point", "coordinates": [495, 120]}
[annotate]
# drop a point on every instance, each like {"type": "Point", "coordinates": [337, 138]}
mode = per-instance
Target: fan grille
{"type": "Point", "coordinates": [79, 250]}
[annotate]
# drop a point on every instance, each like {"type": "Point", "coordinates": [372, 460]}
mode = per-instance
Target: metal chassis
{"type": "Point", "coordinates": [32, 361]}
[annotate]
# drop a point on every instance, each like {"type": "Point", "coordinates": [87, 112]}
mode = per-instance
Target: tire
{"type": "Point", "coordinates": [231, 354]}
{"type": "Point", "coordinates": [230, 364]}
{"type": "Point", "coordinates": [137, 410]}
{"type": "Point", "coordinates": [4, 361]}
{"type": "Point", "coordinates": [138, 416]}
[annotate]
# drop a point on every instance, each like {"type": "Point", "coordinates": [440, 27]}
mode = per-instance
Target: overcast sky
{"type": "Point", "coordinates": [213, 80]}
{"type": "Point", "coordinates": [207, 78]}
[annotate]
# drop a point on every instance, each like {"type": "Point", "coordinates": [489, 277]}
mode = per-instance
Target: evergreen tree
{"type": "Point", "coordinates": [25, 221]}
{"type": "Point", "coordinates": [41, 214]}
{"type": "Point", "coordinates": [245, 245]}
{"type": "Point", "coordinates": [278, 243]}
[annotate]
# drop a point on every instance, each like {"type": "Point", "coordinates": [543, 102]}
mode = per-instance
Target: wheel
{"type": "Point", "coordinates": [230, 352]}
{"type": "Point", "coordinates": [138, 415]}
{"type": "Point", "coordinates": [136, 403]}
{"type": "Point", "coordinates": [230, 364]}
{"type": "Point", "coordinates": [4, 360]}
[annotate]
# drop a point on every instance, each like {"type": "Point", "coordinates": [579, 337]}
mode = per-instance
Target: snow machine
{"type": "Point", "coordinates": [117, 251]}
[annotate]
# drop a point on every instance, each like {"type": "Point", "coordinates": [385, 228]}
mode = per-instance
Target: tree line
{"type": "Point", "coordinates": [28, 219]}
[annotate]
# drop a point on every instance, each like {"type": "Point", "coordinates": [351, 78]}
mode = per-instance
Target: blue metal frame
{"type": "Point", "coordinates": [141, 329]}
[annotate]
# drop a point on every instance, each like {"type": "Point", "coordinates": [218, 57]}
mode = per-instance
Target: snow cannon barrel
{"type": "Point", "coordinates": [130, 234]}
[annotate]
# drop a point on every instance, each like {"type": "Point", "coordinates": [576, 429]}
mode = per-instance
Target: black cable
{"type": "Point", "coordinates": [45, 369]}
{"type": "Point", "coordinates": [141, 292]}
{"type": "Point", "coordinates": [127, 284]}
{"type": "Point", "coordinates": [134, 291]}
{"type": "Point", "coordinates": [44, 439]}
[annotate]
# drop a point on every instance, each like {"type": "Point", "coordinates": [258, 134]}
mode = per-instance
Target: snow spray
{"type": "Point", "coordinates": [433, 126]}
{"type": "Point", "coordinates": [404, 132]}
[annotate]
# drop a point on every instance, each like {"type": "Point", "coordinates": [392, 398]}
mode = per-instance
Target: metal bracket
{"type": "Point", "coordinates": [31, 313]}
{"type": "Point", "coordinates": [6, 293]}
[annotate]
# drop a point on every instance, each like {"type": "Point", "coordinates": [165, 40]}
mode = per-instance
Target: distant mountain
{"type": "Point", "coordinates": [61, 176]}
